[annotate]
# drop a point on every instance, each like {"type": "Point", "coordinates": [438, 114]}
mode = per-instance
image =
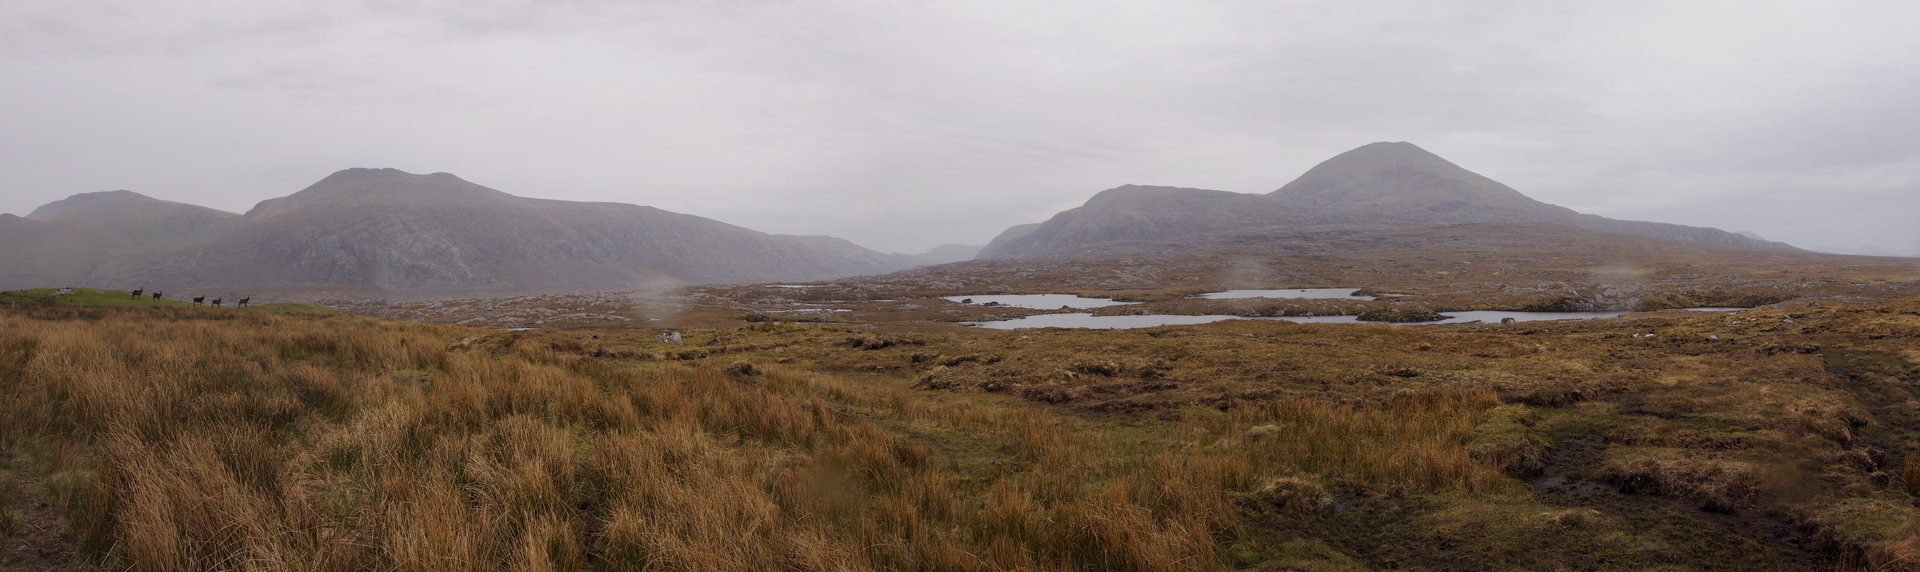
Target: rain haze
{"type": "Point", "coordinates": [906, 125]}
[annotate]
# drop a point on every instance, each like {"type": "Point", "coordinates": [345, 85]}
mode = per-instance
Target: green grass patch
{"type": "Point", "coordinates": [98, 298]}
{"type": "Point", "coordinates": [89, 297]}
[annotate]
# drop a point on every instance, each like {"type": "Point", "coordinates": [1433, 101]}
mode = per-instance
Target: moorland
{"type": "Point", "coordinates": [409, 408]}
{"type": "Point", "coordinates": [165, 436]}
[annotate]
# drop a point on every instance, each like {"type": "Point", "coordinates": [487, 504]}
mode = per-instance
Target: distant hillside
{"type": "Point", "coordinates": [396, 231]}
{"type": "Point", "coordinates": [23, 262]}
{"type": "Point", "coordinates": [131, 221]}
{"type": "Point", "coordinates": [1380, 185]}
{"type": "Point", "coordinates": [999, 247]}
{"type": "Point", "coordinates": [62, 242]}
{"type": "Point", "coordinates": [1136, 212]}
{"type": "Point", "coordinates": [946, 253]}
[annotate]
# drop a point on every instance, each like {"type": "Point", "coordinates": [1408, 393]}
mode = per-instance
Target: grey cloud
{"type": "Point", "coordinates": [906, 125]}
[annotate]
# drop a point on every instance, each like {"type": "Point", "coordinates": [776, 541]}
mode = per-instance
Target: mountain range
{"type": "Point", "coordinates": [388, 232]}
{"type": "Point", "coordinates": [1376, 186]}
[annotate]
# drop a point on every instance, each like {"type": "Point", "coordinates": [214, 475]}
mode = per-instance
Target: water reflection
{"type": "Point", "coordinates": [1036, 301]}
{"type": "Point", "coordinates": [1090, 321]}
{"type": "Point", "coordinates": [1290, 293]}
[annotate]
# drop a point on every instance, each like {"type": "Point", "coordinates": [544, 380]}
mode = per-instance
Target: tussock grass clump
{"type": "Point", "coordinates": [1415, 441]}
{"type": "Point", "coordinates": [1507, 438]}
{"type": "Point", "coordinates": [10, 517]}
{"type": "Point", "coordinates": [1910, 476]}
{"type": "Point", "coordinates": [1718, 485]}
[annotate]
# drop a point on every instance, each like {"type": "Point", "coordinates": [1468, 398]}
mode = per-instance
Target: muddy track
{"type": "Point", "coordinates": [1889, 387]}
{"type": "Point", "coordinates": [36, 538]}
{"type": "Point", "coordinates": [1570, 480]}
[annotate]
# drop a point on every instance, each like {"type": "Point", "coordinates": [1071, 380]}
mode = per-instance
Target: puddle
{"type": "Point", "coordinates": [1037, 301]}
{"type": "Point", "coordinates": [1092, 322]}
{"type": "Point", "coordinates": [1712, 309]}
{"type": "Point", "coordinates": [1290, 293]}
{"type": "Point", "coordinates": [1495, 316]}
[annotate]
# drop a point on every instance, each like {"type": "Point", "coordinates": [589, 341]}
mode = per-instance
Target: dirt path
{"type": "Point", "coordinates": [36, 540]}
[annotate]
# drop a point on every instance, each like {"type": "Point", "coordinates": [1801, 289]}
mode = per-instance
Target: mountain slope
{"type": "Point", "coordinates": [127, 220]}
{"type": "Point", "coordinates": [1401, 180]}
{"type": "Point", "coordinates": [1000, 247]}
{"type": "Point", "coordinates": [946, 253]}
{"type": "Point", "coordinates": [61, 242]}
{"type": "Point", "coordinates": [1133, 213]}
{"type": "Point", "coordinates": [397, 232]}
{"type": "Point", "coordinates": [22, 264]}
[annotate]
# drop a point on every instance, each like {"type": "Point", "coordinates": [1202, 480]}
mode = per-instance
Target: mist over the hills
{"type": "Point", "coordinates": [906, 126]}
{"type": "Point", "coordinates": [385, 231]}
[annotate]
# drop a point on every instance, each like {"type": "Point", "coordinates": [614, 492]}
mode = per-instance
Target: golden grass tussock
{"type": "Point", "coordinates": [1910, 476]}
{"type": "Point", "coordinates": [1414, 441]}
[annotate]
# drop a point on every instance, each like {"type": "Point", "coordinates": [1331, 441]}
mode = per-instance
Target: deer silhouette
{"type": "Point", "coordinates": [216, 301]}
{"type": "Point", "coordinates": [243, 302]}
{"type": "Point", "coordinates": [137, 291]}
{"type": "Point", "coordinates": [157, 295]}
{"type": "Point", "coordinates": [198, 299]}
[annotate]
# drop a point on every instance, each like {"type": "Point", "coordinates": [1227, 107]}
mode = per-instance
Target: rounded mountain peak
{"type": "Point", "coordinates": [1374, 158]}
{"type": "Point", "coordinates": [356, 174]}
{"type": "Point", "coordinates": [1400, 179]}
{"type": "Point", "coordinates": [358, 187]}
{"type": "Point", "coordinates": [118, 205]}
{"type": "Point", "coordinates": [1136, 192]}
{"type": "Point", "coordinates": [86, 201]}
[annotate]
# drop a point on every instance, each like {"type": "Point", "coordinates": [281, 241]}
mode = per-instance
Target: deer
{"type": "Point", "coordinates": [243, 302]}
{"type": "Point", "coordinates": [198, 299]}
{"type": "Point", "coordinates": [216, 301]}
{"type": "Point", "coordinates": [157, 295]}
{"type": "Point", "coordinates": [137, 291]}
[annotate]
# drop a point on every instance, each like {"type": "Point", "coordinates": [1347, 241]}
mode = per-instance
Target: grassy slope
{"type": "Point", "coordinates": [87, 297]}
{"type": "Point", "coordinates": [96, 298]}
{"type": "Point", "coordinates": [194, 438]}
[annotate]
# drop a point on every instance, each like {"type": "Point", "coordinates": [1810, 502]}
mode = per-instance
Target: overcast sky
{"type": "Point", "coordinates": [906, 124]}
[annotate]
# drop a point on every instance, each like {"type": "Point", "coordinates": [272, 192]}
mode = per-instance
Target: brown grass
{"type": "Point", "coordinates": [1910, 476]}
{"type": "Point", "coordinates": [187, 439]}
{"type": "Point", "coordinates": [184, 441]}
